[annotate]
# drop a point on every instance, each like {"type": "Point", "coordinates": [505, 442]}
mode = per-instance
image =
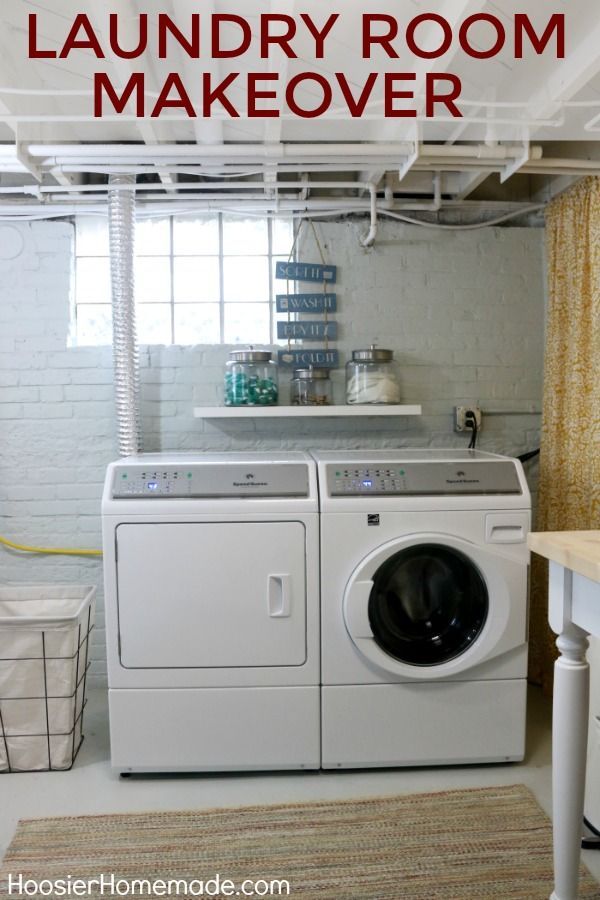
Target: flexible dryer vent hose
{"type": "Point", "coordinates": [121, 212]}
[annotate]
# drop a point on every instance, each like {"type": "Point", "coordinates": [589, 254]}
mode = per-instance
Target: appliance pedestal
{"type": "Point", "coordinates": [214, 729]}
{"type": "Point", "coordinates": [423, 724]}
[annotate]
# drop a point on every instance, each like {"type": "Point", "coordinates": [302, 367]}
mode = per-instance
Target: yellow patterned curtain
{"type": "Point", "coordinates": [569, 493]}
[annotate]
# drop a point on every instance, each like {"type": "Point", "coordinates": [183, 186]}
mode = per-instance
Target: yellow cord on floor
{"type": "Point", "coordinates": [56, 551]}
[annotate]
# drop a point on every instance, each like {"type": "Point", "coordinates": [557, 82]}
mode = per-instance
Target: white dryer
{"type": "Point", "coordinates": [424, 601]}
{"type": "Point", "coordinates": [212, 612]}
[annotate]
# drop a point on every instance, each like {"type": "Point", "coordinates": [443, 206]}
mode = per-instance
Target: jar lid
{"type": "Point", "coordinates": [250, 356]}
{"type": "Point", "coordinates": [373, 354]}
{"type": "Point", "coordinates": [311, 374]}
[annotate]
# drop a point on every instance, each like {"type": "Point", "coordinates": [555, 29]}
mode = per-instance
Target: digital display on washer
{"type": "Point", "coordinates": [423, 479]}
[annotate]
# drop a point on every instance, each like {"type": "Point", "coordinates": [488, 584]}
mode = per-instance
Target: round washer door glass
{"type": "Point", "coordinates": [428, 604]}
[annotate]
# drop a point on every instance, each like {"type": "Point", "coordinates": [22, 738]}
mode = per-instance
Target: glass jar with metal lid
{"type": "Point", "coordinates": [311, 387]}
{"type": "Point", "coordinates": [371, 377]}
{"type": "Point", "coordinates": [251, 379]}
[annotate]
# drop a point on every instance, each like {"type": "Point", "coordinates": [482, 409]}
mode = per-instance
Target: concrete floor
{"type": "Point", "coordinates": [91, 787]}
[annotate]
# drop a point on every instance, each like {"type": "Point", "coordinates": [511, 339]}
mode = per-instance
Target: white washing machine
{"type": "Point", "coordinates": [424, 603]}
{"type": "Point", "coordinates": [212, 612]}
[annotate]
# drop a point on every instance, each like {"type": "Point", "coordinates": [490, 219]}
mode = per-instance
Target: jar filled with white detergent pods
{"type": "Point", "coordinates": [372, 377]}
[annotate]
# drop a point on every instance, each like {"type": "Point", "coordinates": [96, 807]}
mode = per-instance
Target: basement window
{"type": "Point", "coordinates": [205, 280]}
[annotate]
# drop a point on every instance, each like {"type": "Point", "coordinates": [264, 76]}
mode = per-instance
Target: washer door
{"type": "Point", "coordinates": [428, 604]}
{"type": "Point", "coordinates": [433, 605]}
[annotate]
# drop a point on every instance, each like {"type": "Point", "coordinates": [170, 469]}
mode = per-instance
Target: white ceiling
{"type": "Point", "coordinates": [516, 104]}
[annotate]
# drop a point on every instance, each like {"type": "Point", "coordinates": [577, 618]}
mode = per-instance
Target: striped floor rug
{"type": "Point", "coordinates": [455, 845]}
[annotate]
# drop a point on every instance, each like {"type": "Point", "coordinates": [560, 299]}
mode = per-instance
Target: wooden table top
{"type": "Point", "coordinates": [575, 550]}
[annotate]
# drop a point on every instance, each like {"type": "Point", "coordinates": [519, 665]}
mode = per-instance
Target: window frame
{"type": "Point", "coordinates": [270, 256]}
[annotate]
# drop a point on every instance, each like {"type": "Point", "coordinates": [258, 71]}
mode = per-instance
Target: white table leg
{"type": "Point", "coordinates": [569, 739]}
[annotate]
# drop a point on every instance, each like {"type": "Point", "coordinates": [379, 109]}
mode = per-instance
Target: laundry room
{"type": "Point", "coordinates": [454, 345]}
{"type": "Point", "coordinates": [299, 477]}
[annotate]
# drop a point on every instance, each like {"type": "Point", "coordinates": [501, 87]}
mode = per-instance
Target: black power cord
{"type": "Point", "coordinates": [471, 420]}
{"type": "Point", "coordinates": [591, 836]}
{"type": "Point", "coordinates": [527, 456]}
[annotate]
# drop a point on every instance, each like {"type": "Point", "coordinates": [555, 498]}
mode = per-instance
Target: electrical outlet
{"type": "Point", "coordinates": [460, 418]}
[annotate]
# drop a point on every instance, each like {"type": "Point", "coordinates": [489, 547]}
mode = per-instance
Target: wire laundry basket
{"type": "Point", "coordinates": [44, 660]}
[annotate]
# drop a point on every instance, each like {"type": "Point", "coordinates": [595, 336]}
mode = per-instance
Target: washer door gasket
{"type": "Point", "coordinates": [428, 604]}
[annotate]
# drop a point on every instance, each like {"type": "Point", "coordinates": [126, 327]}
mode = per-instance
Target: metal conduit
{"type": "Point", "coordinates": [121, 217]}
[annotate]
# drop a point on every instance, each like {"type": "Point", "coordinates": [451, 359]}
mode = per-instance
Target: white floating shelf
{"type": "Point", "coordinates": [292, 412]}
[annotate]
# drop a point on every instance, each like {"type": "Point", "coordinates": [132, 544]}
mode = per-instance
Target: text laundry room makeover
{"type": "Point", "coordinates": [268, 96]}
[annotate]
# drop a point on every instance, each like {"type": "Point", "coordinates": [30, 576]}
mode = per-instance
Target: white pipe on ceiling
{"type": "Point", "coordinates": [36, 190]}
{"type": "Point", "coordinates": [160, 152]}
{"type": "Point", "coordinates": [541, 167]}
{"type": "Point", "coordinates": [369, 239]}
{"type": "Point", "coordinates": [262, 205]}
{"type": "Point", "coordinates": [220, 201]}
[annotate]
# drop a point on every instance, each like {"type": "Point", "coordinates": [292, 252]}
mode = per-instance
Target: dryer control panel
{"type": "Point", "coordinates": [421, 479]}
{"type": "Point", "coordinates": [195, 481]}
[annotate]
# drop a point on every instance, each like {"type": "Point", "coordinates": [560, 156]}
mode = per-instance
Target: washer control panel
{"type": "Point", "coordinates": [423, 479]}
{"type": "Point", "coordinates": [366, 480]}
{"type": "Point", "coordinates": [198, 481]}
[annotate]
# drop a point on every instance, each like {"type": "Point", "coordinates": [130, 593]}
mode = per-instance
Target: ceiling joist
{"type": "Point", "coordinates": [542, 89]}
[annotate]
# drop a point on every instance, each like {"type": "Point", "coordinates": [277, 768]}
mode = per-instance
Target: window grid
{"type": "Point", "coordinates": [99, 308]}
{"type": "Point", "coordinates": [271, 282]}
{"type": "Point", "coordinates": [172, 270]}
{"type": "Point", "coordinates": [221, 282]}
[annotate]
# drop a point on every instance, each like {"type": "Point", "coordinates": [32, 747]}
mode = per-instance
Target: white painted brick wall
{"type": "Point", "coordinates": [464, 312]}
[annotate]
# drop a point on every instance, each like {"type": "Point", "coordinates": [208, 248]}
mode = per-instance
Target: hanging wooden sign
{"type": "Point", "coordinates": [302, 359]}
{"type": "Point", "coordinates": [301, 271]}
{"type": "Point", "coordinates": [306, 303]}
{"type": "Point", "coordinates": [307, 331]}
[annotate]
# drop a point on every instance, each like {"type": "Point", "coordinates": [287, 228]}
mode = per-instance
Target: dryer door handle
{"type": "Point", "coordinates": [280, 596]}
